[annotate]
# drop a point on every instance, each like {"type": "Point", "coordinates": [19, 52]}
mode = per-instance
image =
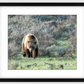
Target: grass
{"type": "Point", "coordinates": [43, 63]}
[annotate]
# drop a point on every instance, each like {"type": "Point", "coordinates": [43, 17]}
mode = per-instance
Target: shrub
{"type": "Point", "coordinates": [12, 65]}
{"type": "Point", "coordinates": [9, 31]}
{"type": "Point", "coordinates": [11, 16]}
{"type": "Point", "coordinates": [53, 23]}
{"type": "Point", "coordinates": [56, 35]}
{"type": "Point", "coordinates": [12, 49]}
{"type": "Point", "coordinates": [49, 17]}
{"type": "Point", "coordinates": [61, 51]}
{"type": "Point", "coordinates": [10, 40]}
{"type": "Point", "coordinates": [73, 39]}
{"type": "Point", "coordinates": [71, 20]}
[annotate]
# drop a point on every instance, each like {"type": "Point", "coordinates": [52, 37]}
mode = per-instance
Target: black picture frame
{"type": "Point", "coordinates": [41, 79]}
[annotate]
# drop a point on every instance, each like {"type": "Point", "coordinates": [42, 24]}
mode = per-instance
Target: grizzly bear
{"type": "Point", "coordinates": [30, 45]}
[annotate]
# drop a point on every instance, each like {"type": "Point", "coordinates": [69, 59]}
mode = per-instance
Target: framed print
{"type": "Point", "coordinates": [42, 42]}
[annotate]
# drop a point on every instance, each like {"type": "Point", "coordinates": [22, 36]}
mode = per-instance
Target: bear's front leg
{"type": "Point", "coordinates": [28, 53]}
{"type": "Point", "coordinates": [24, 54]}
{"type": "Point", "coordinates": [35, 53]}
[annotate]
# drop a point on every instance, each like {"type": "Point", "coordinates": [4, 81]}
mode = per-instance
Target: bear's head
{"type": "Point", "coordinates": [31, 42]}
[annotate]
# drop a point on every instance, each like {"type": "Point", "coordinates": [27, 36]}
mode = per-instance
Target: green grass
{"type": "Point", "coordinates": [52, 63]}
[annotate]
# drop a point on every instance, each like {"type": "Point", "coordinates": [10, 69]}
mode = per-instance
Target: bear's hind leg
{"type": "Point", "coordinates": [23, 49]}
{"type": "Point", "coordinates": [36, 52]}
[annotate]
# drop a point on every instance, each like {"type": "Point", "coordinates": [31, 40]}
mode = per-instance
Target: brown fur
{"type": "Point", "coordinates": [30, 46]}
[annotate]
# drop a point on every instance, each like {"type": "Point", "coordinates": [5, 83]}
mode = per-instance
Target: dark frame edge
{"type": "Point", "coordinates": [41, 80]}
{"type": "Point", "coordinates": [42, 4]}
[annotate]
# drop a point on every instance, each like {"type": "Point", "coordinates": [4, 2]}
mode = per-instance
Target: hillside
{"type": "Point", "coordinates": [57, 42]}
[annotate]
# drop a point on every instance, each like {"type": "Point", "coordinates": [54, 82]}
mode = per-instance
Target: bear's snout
{"type": "Point", "coordinates": [32, 46]}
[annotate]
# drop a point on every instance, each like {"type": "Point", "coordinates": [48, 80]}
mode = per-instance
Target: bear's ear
{"type": "Point", "coordinates": [32, 37]}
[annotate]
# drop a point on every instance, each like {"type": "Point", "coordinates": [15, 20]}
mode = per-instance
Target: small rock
{"type": "Point", "coordinates": [32, 65]}
{"type": "Point", "coordinates": [65, 63]}
{"type": "Point", "coordinates": [61, 66]}
{"type": "Point", "coordinates": [50, 59]}
{"type": "Point", "coordinates": [28, 65]}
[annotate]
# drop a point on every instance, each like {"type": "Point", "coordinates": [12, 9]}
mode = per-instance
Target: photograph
{"type": "Point", "coordinates": [42, 42]}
